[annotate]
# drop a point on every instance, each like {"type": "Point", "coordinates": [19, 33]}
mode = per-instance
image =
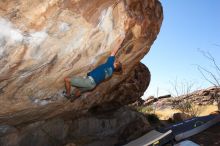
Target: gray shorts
{"type": "Point", "coordinates": [83, 83]}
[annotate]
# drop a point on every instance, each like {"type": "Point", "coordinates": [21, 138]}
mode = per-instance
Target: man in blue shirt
{"type": "Point", "coordinates": [94, 77]}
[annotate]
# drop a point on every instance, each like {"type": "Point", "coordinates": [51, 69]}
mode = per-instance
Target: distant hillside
{"type": "Point", "coordinates": [207, 96]}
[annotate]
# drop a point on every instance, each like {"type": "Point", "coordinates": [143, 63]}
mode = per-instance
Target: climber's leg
{"type": "Point", "coordinates": [67, 86]}
{"type": "Point", "coordinates": [83, 84]}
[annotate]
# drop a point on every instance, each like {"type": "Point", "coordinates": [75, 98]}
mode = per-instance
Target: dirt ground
{"type": "Point", "coordinates": [209, 137]}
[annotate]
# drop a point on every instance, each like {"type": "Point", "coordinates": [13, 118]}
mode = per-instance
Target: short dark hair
{"type": "Point", "coordinates": [119, 67]}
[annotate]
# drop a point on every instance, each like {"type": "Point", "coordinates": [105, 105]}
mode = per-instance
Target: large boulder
{"type": "Point", "coordinates": [41, 42]}
{"type": "Point", "coordinates": [97, 128]}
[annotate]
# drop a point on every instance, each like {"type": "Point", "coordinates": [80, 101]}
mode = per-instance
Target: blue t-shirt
{"type": "Point", "coordinates": [103, 71]}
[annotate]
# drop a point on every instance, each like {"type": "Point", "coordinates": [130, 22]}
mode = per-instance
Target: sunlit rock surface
{"type": "Point", "coordinates": [41, 42]}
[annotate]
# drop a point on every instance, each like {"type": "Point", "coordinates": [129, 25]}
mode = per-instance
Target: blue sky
{"type": "Point", "coordinates": [188, 25]}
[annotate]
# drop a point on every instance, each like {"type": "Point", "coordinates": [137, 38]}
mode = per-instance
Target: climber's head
{"type": "Point", "coordinates": [117, 66]}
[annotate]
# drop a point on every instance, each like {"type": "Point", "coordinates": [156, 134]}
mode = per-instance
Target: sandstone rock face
{"type": "Point", "coordinates": [41, 42]}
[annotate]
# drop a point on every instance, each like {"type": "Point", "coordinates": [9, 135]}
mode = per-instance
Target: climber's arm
{"type": "Point", "coordinates": [119, 41]}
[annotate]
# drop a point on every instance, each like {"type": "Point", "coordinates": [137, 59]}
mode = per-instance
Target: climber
{"type": "Point", "coordinates": [95, 77]}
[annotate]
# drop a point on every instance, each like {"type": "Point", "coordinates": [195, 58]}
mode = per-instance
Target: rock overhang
{"type": "Point", "coordinates": [43, 42]}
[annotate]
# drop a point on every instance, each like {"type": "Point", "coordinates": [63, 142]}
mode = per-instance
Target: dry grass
{"type": "Point", "coordinates": [208, 109]}
{"type": "Point", "coordinates": [165, 114]}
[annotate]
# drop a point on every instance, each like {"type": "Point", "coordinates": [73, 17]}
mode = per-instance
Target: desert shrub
{"type": "Point", "coordinates": [145, 109]}
{"type": "Point", "coordinates": [182, 97]}
{"type": "Point", "coordinates": [211, 76]}
{"type": "Point", "coordinates": [187, 107]}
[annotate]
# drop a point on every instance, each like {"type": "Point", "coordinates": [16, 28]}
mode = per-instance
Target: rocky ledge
{"type": "Point", "coordinates": [209, 96]}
